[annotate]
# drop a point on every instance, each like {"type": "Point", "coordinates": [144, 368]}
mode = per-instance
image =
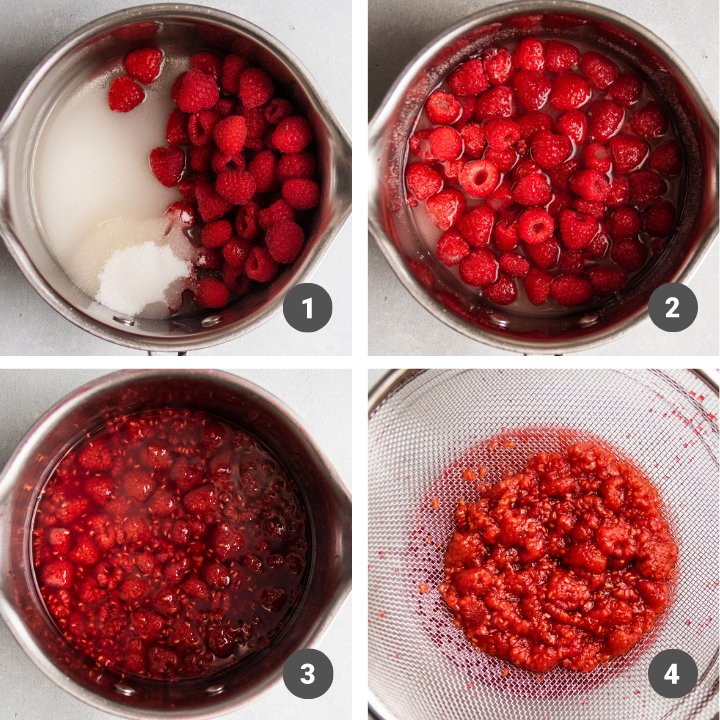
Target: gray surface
{"type": "Point", "coordinates": [29, 29]}
{"type": "Point", "coordinates": [398, 29]}
{"type": "Point", "coordinates": [320, 399]}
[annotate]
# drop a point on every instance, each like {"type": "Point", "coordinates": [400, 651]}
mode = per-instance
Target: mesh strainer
{"type": "Point", "coordinates": [424, 428]}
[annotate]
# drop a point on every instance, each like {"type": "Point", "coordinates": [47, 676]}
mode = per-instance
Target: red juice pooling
{"type": "Point", "coordinates": [170, 544]}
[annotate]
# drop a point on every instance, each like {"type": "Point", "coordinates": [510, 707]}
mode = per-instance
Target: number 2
{"type": "Point", "coordinates": [310, 669]}
{"type": "Point", "coordinates": [670, 675]}
{"type": "Point", "coordinates": [308, 302]}
{"type": "Point", "coordinates": [671, 312]}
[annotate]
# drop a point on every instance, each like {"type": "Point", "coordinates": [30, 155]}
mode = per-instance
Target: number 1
{"type": "Point", "coordinates": [308, 302]}
{"type": "Point", "coordinates": [309, 669]}
{"type": "Point", "coordinates": [671, 312]}
{"type": "Point", "coordinates": [672, 675]}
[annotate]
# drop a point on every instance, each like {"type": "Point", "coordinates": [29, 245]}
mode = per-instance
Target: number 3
{"type": "Point", "coordinates": [671, 312]}
{"type": "Point", "coordinates": [670, 675]}
{"type": "Point", "coordinates": [310, 669]}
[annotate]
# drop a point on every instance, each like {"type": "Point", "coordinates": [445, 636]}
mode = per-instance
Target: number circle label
{"type": "Point", "coordinates": [673, 307]}
{"type": "Point", "coordinates": [308, 674]}
{"type": "Point", "coordinates": [672, 673]}
{"type": "Point", "coordinates": [307, 307]}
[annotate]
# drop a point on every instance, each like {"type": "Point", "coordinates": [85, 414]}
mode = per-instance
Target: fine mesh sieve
{"type": "Point", "coordinates": [425, 427]}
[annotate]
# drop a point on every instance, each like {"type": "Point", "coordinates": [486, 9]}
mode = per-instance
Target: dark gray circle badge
{"type": "Point", "coordinates": [672, 673]}
{"type": "Point", "coordinates": [673, 307]}
{"type": "Point", "coordinates": [308, 674]}
{"type": "Point", "coordinates": [307, 307]}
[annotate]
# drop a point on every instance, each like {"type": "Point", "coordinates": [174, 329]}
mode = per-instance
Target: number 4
{"type": "Point", "coordinates": [308, 302]}
{"type": "Point", "coordinates": [672, 675]}
{"type": "Point", "coordinates": [671, 312]}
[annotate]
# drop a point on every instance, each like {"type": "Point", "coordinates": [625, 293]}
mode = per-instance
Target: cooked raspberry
{"type": "Point", "coordinates": [577, 229]}
{"type": "Point", "coordinates": [573, 123]}
{"type": "Point", "coordinates": [535, 226]}
{"type": "Point", "coordinates": [498, 65]}
{"type": "Point", "coordinates": [606, 281]}
{"type": "Point", "coordinates": [201, 126]}
{"type": "Point", "coordinates": [246, 222]}
{"type": "Point", "coordinates": [646, 186]}
{"type": "Point", "coordinates": [569, 290]}
{"type": "Point", "coordinates": [549, 150]}
{"type": "Point", "coordinates": [532, 190]}
{"type": "Point", "coordinates": [501, 197]}
{"type": "Point", "coordinates": [629, 152]}
{"type": "Point", "coordinates": [58, 574]}
{"type": "Point", "coordinates": [506, 235]}
{"type": "Point", "coordinates": [590, 185]}
{"type": "Point", "coordinates": [650, 122]}
{"type": "Point", "coordinates": [561, 201]}
{"type": "Point", "coordinates": [572, 262]}
{"type": "Point", "coordinates": [599, 70]}
{"type": "Point", "coordinates": [277, 110]}
{"type": "Point", "coordinates": [626, 89]}
{"type": "Point", "coordinates": [477, 225]}
{"type": "Point", "coordinates": [659, 220]}
{"type": "Point", "coordinates": [132, 590]}
{"type": "Point", "coordinates": [284, 240]}
{"type": "Point", "coordinates": [537, 286]}
{"type": "Point", "coordinates": [175, 90]}
{"type": "Point", "coordinates": [533, 122]}
{"type": "Point", "coordinates": [503, 160]}
{"type": "Point", "coordinates": [301, 194]}
{"type": "Point", "coordinates": [210, 204]}
{"type": "Point", "coordinates": [95, 456]}
{"type": "Point", "coordinates": [279, 210]}
{"type": "Point", "coordinates": [263, 167]}
{"type": "Point", "coordinates": [442, 108]}
{"type": "Point", "coordinates": [255, 89]}
{"type": "Point", "coordinates": [260, 266]}
{"type": "Point", "coordinates": [209, 258]}
{"type": "Point", "coordinates": [598, 246]}
{"type": "Point", "coordinates": [514, 264]}
{"type": "Point", "coordinates": [292, 135]}
{"type": "Point", "coordinates": [479, 178]}
{"type": "Point", "coordinates": [167, 165]}
{"type": "Point", "coordinates": [445, 208]}
{"type": "Point", "coordinates": [144, 64]}
{"type": "Point", "coordinates": [545, 255]}
{"type": "Point", "coordinates": [236, 251]}
{"type": "Point", "coordinates": [530, 55]}
{"type": "Point", "coordinates": [230, 134]}
{"type": "Point", "coordinates": [445, 144]}
{"type": "Point", "coordinates": [452, 248]}
{"type": "Point", "coordinates": [236, 186]}
{"type": "Point", "coordinates": [597, 157]}
{"type": "Point", "coordinates": [497, 102]}
{"type": "Point", "coordinates": [666, 159]}
{"type": "Point", "coordinates": [176, 131]}
{"type": "Point", "coordinates": [473, 137]}
{"type": "Point", "coordinates": [198, 91]}
{"type": "Point", "coordinates": [605, 120]}
{"type": "Point", "coordinates": [181, 212]}
{"type": "Point", "coordinates": [232, 68]}
{"type": "Point", "coordinates": [569, 92]}
{"type": "Point", "coordinates": [619, 191]}
{"type": "Point", "coordinates": [124, 94]}
{"type": "Point", "coordinates": [560, 175]}
{"type": "Point", "coordinates": [501, 134]}
{"type": "Point", "coordinates": [468, 79]}
{"type": "Point", "coordinates": [560, 56]}
{"type": "Point", "coordinates": [532, 90]}
{"type": "Point", "coordinates": [623, 222]}
{"type": "Point", "coordinates": [292, 165]}
{"type": "Point", "coordinates": [201, 158]}
{"type": "Point", "coordinates": [596, 209]}
{"type": "Point", "coordinates": [479, 268]}
{"type": "Point", "coordinates": [216, 233]}
{"type": "Point", "coordinates": [629, 254]}
{"type": "Point", "coordinates": [139, 486]}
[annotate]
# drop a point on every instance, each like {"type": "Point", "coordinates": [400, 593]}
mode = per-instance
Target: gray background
{"type": "Point", "coordinates": [29, 28]}
{"type": "Point", "coordinates": [321, 399]}
{"type": "Point", "coordinates": [398, 29]}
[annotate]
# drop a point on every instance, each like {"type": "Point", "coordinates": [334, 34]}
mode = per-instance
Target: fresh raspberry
{"type": "Point", "coordinates": [598, 246]}
{"type": "Point", "coordinates": [514, 264]}
{"type": "Point", "coordinates": [530, 55]}
{"type": "Point", "coordinates": [535, 226]}
{"type": "Point", "coordinates": [619, 191]}
{"type": "Point", "coordinates": [573, 123]}
{"type": "Point", "coordinates": [626, 90]}
{"type": "Point", "coordinates": [263, 167]}
{"type": "Point", "coordinates": [124, 94]}
{"type": "Point", "coordinates": [58, 574]}
{"type": "Point", "coordinates": [569, 290]}
{"type": "Point", "coordinates": [230, 134]}
{"type": "Point", "coordinates": [646, 187]}
{"type": "Point", "coordinates": [497, 102]}
{"type": "Point", "coordinates": [246, 221]}
{"type": "Point", "coordinates": [560, 56]}
{"type": "Point", "coordinates": [561, 201]}
{"type": "Point", "coordinates": [445, 208]}
{"type": "Point", "coordinates": [255, 88]}
{"type": "Point", "coordinates": [659, 220]}
{"type": "Point", "coordinates": [549, 150]}
{"type": "Point", "coordinates": [197, 92]}
{"type": "Point", "coordinates": [502, 292]}
{"type": "Point", "coordinates": [524, 168]}
{"type": "Point", "coordinates": [473, 137]}
{"type": "Point", "coordinates": [420, 145]}
{"type": "Point", "coordinates": [629, 152]}
{"type": "Point", "coordinates": [181, 212]}
{"type": "Point", "coordinates": [256, 123]}
{"type": "Point", "coordinates": [210, 204]}
{"type": "Point", "coordinates": [201, 126]}
{"type": "Point", "coordinates": [284, 240]}
{"type": "Point", "coordinates": [605, 120]}
{"type": "Point", "coordinates": [506, 235]}
{"type": "Point", "coordinates": [537, 286]}
{"type": "Point", "coordinates": [452, 248]}
{"type": "Point", "coordinates": [445, 144]}
{"type": "Point", "coordinates": [279, 210]}
{"type": "Point", "coordinates": [606, 281]}
{"type": "Point", "coordinates": [216, 233]}
{"type": "Point", "coordinates": [221, 162]}
{"type": "Point", "coordinates": [666, 159]}
{"type": "Point", "coordinates": [301, 194]}
{"type": "Point", "coordinates": [225, 107]}
{"type": "Point", "coordinates": [545, 255]}
{"type": "Point", "coordinates": [570, 92]}
{"type": "Point", "coordinates": [623, 222]}
{"type": "Point", "coordinates": [590, 185]}
{"type": "Point", "coordinates": [599, 70]}
{"type": "Point", "coordinates": [596, 209]}
{"type": "Point", "coordinates": [209, 258]}
{"type": "Point", "coordinates": [292, 165]}
{"type": "Point", "coordinates": [533, 122]}
{"type": "Point", "coordinates": [277, 110]}
{"type": "Point", "coordinates": [232, 68]}
{"type": "Point", "coordinates": [560, 175]}
{"type": "Point", "coordinates": [189, 183]}
{"type": "Point", "coordinates": [236, 186]}
{"type": "Point", "coordinates": [629, 255]}
{"type": "Point", "coordinates": [479, 178]}
{"type": "Point", "coordinates": [167, 165]}
{"type": "Point", "coordinates": [477, 225]}
{"type": "Point", "coordinates": [175, 90]}
{"type": "Point", "coordinates": [532, 191]}
{"type": "Point", "coordinates": [503, 160]}
{"type": "Point", "coordinates": [211, 293]}
{"type": "Point", "coordinates": [241, 283]}
{"type": "Point", "coordinates": [501, 134]}
{"type": "Point", "coordinates": [176, 131]}
{"type": "Point", "coordinates": [498, 65]}
{"type": "Point", "coordinates": [572, 262]}
{"type": "Point", "coordinates": [442, 108]}
{"type": "Point", "coordinates": [650, 122]}
{"type": "Point", "coordinates": [500, 198]}
{"type": "Point", "coordinates": [468, 79]}
{"type": "Point", "coordinates": [260, 266]}
{"type": "Point", "coordinates": [532, 90]}
{"type": "Point", "coordinates": [451, 170]}
{"type": "Point", "coordinates": [468, 111]}
{"type": "Point", "coordinates": [577, 229]}
{"type": "Point", "coordinates": [479, 268]}
{"type": "Point", "coordinates": [597, 157]}
{"type": "Point", "coordinates": [292, 135]}
{"type": "Point", "coordinates": [144, 65]}
{"type": "Point", "coordinates": [201, 158]}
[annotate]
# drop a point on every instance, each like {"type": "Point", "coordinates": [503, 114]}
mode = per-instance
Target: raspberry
{"type": "Point", "coordinates": [445, 208]}
{"type": "Point", "coordinates": [502, 292]}
{"type": "Point", "coordinates": [255, 88]}
{"type": "Point", "coordinates": [560, 56]}
{"type": "Point", "coordinates": [256, 123]}
{"type": "Point", "coordinates": [211, 293]}
{"type": "Point", "coordinates": [279, 210]}
{"type": "Point", "coordinates": [445, 144]}
{"type": "Point", "coordinates": [216, 233]}
{"type": "Point", "coordinates": [246, 222]}
{"type": "Point", "coordinates": [501, 134]}
{"type": "Point", "coordinates": [569, 92]}
{"type": "Point", "coordinates": [292, 135]}
{"type": "Point", "coordinates": [144, 65]}
{"type": "Point", "coordinates": [292, 165]}
{"type": "Point", "coordinates": [533, 122]}
{"type": "Point", "coordinates": [139, 486]}
{"type": "Point", "coordinates": [577, 229]}
{"type": "Point", "coordinates": [225, 107]}
{"type": "Point", "coordinates": [94, 456]}
{"type": "Point", "coordinates": [545, 254]}
{"type": "Point", "coordinates": [659, 220]}
{"type": "Point", "coordinates": [479, 178]}
{"type": "Point", "coordinates": [209, 258]}
{"type": "Point", "coordinates": [198, 91]}
{"type": "Point", "coordinates": [590, 185]}
{"type": "Point", "coordinates": [124, 94]}
{"type": "Point", "coordinates": [202, 500]}
{"type": "Point", "coordinates": [506, 236]}
{"type": "Point", "coordinates": [260, 266]}
{"type": "Point", "coordinates": [599, 70]}
{"type": "Point", "coordinates": [263, 167]}
{"type": "Point", "coordinates": [626, 89]}
{"type": "Point", "coordinates": [236, 186]}
{"type": "Point", "coordinates": [598, 246]}
{"type": "Point", "coordinates": [501, 197]}
{"type": "Point", "coordinates": [301, 194]}
{"type": "Point", "coordinates": [646, 186]}
{"type": "Point", "coordinates": [561, 201]}
{"type": "Point", "coordinates": [532, 90]}
{"type": "Point", "coordinates": [532, 190]}
{"type": "Point", "coordinates": [503, 160]}
{"type": "Point", "coordinates": [175, 91]}
{"type": "Point", "coordinates": [569, 290]}
{"type": "Point", "coordinates": [605, 120]}
{"type": "Point", "coordinates": [221, 162]}
{"type": "Point", "coordinates": [210, 204]}
{"type": "Point", "coordinates": [524, 168]}
{"type": "Point", "coordinates": [629, 152]}
{"type": "Point", "coordinates": [451, 170]}
{"type": "Point", "coordinates": [619, 191]}
{"type": "Point", "coordinates": [58, 574]}
{"type": "Point", "coordinates": [277, 110]}
{"type": "Point", "coordinates": [284, 240]}
{"type": "Point", "coordinates": [477, 225]}
{"type": "Point", "coordinates": [596, 209]}
{"type": "Point", "coordinates": [182, 212]}
{"type": "Point", "coordinates": [167, 165]}
{"type": "Point", "coordinates": [535, 226]}
{"type": "Point", "coordinates": [561, 174]}
{"type": "Point", "coordinates": [497, 102]}
{"type": "Point", "coordinates": [530, 55]}
{"type": "Point", "coordinates": [629, 254]}
{"type": "Point", "coordinates": [201, 126]}
{"type": "Point", "coordinates": [132, 590]}
{"type": "Point", "coordinates": [473, 137]}
{"type": "Point", "coordinates": [479, 268]}
{"type": "Point", "coordinates": [201, 158]}
{"type": "Point", "coordinates": [572, 262]}
{"type": "Point", "coordinates": [230, 134]}
{"type": "Point", "coordinates": [549, 150]}
{"type": "Point", "coordinates": [468, 79]}
{"type": "Point", "coordinates": [176, 131]}
{"type": "Point", "coordinates": [232, 68]}
{"type": "Point", "coordinates": [623, 222]}
{"type": "Point", "coordinates": [514, 264]}
{"type": "Point", "coordinates": [498, 65]}
{"type": "Point", "coordinates": [452, 248]}
{"type": "Point", "coordinates": [537, 286]}
{"type": "Point", "coordinates": [420, 146]}
{"type": "Point", "coordinates": [597, 157]}
{"type": "Point", "coordinates": [666, 159]}
{"type": "Point", "coordinates": [650, 121]}
{"type": "Point", "coordinates": [442, 108]}
{"type": "Point", "coordinates": [606, 281]}
{"type": "Point", "coordinates": [573, 123]}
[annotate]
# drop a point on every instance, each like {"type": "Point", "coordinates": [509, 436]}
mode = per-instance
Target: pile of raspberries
{"type": "Point", "coordinates": [571, 159]}
{"type": "Point", "coordinates": [239, 157]}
